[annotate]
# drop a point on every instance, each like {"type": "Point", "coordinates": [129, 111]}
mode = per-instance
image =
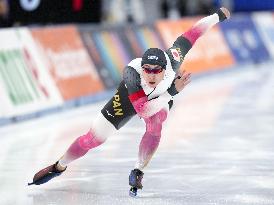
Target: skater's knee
{"type": "Point", "coordinates": [154, 123]}
{"type": "Point", "coordinates": [102, 128]}
{"type": "Point", "coordinates": [154, 130]}
{"type": "Point", "coordinates": [90, 140]}
{"type": "Point", "coordinates": [159, 117]}
{"type": "Point", "coordinates": [98, 133]}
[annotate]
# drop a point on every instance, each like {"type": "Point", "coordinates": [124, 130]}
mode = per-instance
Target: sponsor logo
{"type": "Point", "coordinates": [152, 57]}
{"type": "Point", "coordinates": [176, 54]}
{"type": "Point", "coordinates": [117, 105]}
{"type": "Point", "coordinates": [109, 114]}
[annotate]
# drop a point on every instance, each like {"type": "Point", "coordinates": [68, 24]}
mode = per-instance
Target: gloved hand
{"type": "Point", "coordinates": [223, 13]}
{"type": "Point", "coordinates": [179, 83]}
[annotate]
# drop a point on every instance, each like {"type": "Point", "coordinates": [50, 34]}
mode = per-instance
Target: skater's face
{"type": "Point", "coordinates": [153, 74]}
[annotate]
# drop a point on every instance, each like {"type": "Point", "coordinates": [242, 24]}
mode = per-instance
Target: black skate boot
{"type": "Point", "coordinates": [46, 174]}
{"type": "Point", "coordinates": [135, 181]}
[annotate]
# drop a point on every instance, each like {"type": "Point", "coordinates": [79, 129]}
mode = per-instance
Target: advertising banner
{"type": "Point", "coordinates": [264, 22]}
{"type": "Point", "coordinates": [244, 40]}
{"type": "Point", "coordinates": [143, 37]}
{"type": "Point", "coordinates": [67, 61]}
{"type": "Point", "coordinates": [25, 88]}
{"type": "Point", "coordinates": [113, 48]}
{"type": "Point", "coordinates": [109, 51]}
{"type": "Point", "coordinates": [210, 52]}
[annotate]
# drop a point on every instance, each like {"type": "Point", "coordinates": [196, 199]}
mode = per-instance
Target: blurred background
{"type": "Point", "coordinates": [58, 54]}
{"type": "Point", "coordinates": [43, 12]}
{"type": "Point", "coordinates": [60, 61]}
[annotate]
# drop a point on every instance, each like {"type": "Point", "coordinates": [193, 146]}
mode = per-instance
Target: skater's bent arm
{"type": "Point", "coordinates": [145, 108]}
{"type": "Point", "coordinates": [185, 42]}
{"type": "Point", "coordinates": [150, 108]}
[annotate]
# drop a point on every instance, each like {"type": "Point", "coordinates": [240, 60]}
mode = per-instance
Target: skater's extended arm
{"type": "Point", "coordinates": [185, 42]}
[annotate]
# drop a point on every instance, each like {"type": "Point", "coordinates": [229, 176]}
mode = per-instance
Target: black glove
{"type": "Point", "coordinates": [221, 15]}
{"type": "Point", "coordinates": [172, 89]}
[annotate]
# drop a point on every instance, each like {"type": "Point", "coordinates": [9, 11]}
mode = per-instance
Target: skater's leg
{"type": "Point", "coordinates": [151, 138]}
{"type": "Point", "coordinates": [147, 148]}
{"type": "Point", "coordinates": [98, 133]}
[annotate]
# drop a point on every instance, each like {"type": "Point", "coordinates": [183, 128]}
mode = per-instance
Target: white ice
{"type": "Point", "coordinates": [217, 147]}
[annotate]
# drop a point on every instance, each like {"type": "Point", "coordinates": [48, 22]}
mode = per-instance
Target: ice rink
{"type": "Point", "coordinates": [217, 147]}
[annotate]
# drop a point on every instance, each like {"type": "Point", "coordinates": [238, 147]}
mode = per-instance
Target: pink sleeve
{"type": "Point", "coordinates": [201, 27]}
{"type": "Point", "coordinates": [146, 108]}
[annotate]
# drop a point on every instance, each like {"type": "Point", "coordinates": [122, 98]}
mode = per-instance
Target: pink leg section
{"type": "Point", "coordinates": [151, 138]}
{"type": "Point", "coordinates": [80, 147]}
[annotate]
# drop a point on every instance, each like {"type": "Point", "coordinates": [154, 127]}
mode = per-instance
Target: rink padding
{"type": "Point", "coordinates": [49, 69]}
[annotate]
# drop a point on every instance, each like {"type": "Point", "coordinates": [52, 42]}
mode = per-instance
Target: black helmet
{"type": "Point", "coordinates": [154, 56]}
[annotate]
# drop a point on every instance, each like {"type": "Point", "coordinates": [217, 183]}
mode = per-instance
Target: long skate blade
{"type": "Point", "coordinates": [30, 183]}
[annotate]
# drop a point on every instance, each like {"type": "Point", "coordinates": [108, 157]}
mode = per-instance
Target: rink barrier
{"type": "Point", "coordinates": [84, 100]}
{"type": "Point", "coordinates": [61, 67]}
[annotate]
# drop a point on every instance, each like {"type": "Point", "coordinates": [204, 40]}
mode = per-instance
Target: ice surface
{"type": "Point", "coordinates": [216, 148]}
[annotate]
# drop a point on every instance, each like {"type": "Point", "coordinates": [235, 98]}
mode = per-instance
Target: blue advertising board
{"type": "Point", "coordinates": [246, 5]}
{"type": "Point", "coordinates": [264, 23]}
{"type": "Point", "coordinates": [244, 40]}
